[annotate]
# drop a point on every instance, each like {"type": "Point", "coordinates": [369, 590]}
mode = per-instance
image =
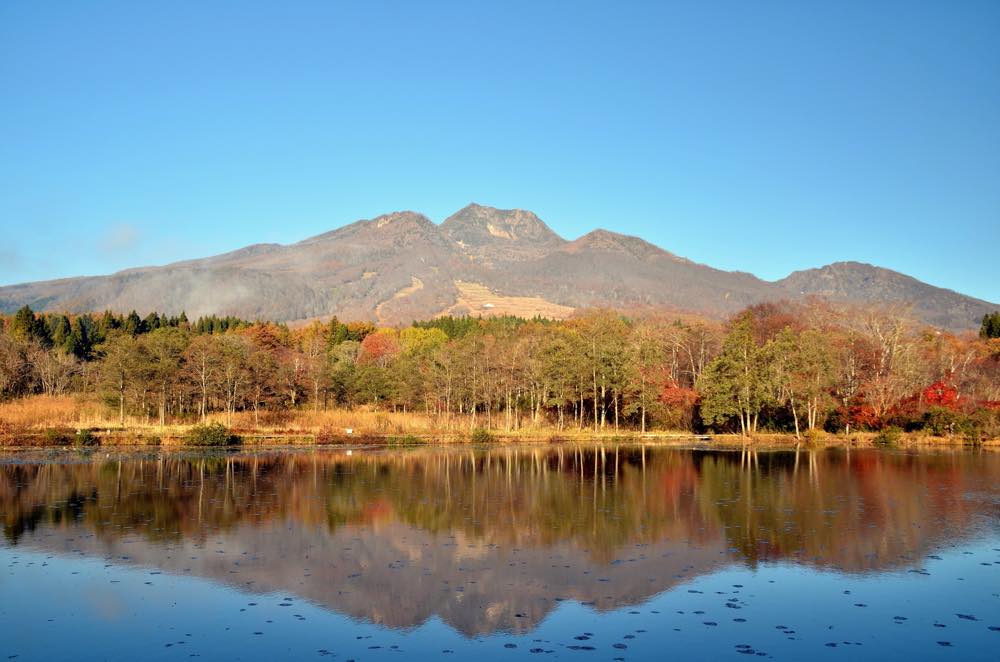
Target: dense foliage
{"type": "Point", "coordinates": [991, 326]}
{"type": "Point", "coordinates": [779, 367]}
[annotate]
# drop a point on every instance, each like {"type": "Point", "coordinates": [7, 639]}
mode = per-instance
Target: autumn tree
{"type": "Point", "coordinates": [164, 348]}
{"type": "Point", "coordinates": [605, 348]}
{"type": "Point", "coordinates": [647, 358]}
{"type": "Point", "coordinates": [232, 354]}
{"type": "Point", "coordinates": [291, 374]}
{"type": "Point", "coordinates": [122, 365]}
{"type": "Point", "coordinates": [563, 367]}
{"type": "Point", "coordinates": [738, 382]}
{"type": "Point", "coordinates": [690, 348]}
{"type": "Point", "coordinates": [893, 366]}
{"type": "Point", "coordinates": [262, 376]}
{"type": "Point", "coordinates": [343, 369]}
{"type": "Point", "coordinates": [314, 355]}
{"type": "Point", "coordinates": [199, 362]}
{"type": "Point", "coordinates": [420, 368]}
{"type": "Point", "coordinates": [15, 367]}
{"type": "Point", "coordinates": [803, 372]}
{"type": "Point", "coordinates": [54, 368]}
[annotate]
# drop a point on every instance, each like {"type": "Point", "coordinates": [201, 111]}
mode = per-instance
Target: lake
{"type": "Point", "coordinates": [557, 551]}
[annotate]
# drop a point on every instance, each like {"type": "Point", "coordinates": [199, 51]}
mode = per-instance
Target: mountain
{"type": "Point", "coordinates": [481, 261]}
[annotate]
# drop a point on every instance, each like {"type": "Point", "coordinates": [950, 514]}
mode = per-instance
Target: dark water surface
{"type": "Point", "coordinates": [536, 552]}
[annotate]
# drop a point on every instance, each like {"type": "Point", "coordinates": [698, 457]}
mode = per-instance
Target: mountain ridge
{"type": "Point", "coordinates": [479, 260]}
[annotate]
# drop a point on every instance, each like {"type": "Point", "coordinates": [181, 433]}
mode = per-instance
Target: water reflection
{"type": "Point", "coordinates": [494, 540]}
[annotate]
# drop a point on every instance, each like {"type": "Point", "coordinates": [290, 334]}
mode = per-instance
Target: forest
{"type": "Point", "coordinates": [800, 369]}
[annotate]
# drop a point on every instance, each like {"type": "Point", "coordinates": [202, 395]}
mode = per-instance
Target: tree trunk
{"type": "Point", "coordinates": [507, 420]}
{"type": "Point", "coordinates": [604, 406]}
{"type": "Point", "coordinates": [595, 399]}
{"type": "Point", "coordinates": [616, 411]}
{"type": "Point", "coordinates": [795, 417]}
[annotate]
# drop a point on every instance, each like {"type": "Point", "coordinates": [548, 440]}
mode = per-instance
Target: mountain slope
{"type": "Point", "coordinates": [864, 283]}
{"type": "Point", "coordinates": [401, 266]}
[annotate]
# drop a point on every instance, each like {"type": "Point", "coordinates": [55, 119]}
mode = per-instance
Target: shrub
{"type": "Point", "coordinates": [85, 438]}
{"type": "Point", "coordinates": [943, 422]}
{"type": "Point", "coordinates": [982, 424]}
{"type": "Point", "coordinates": [814, 436]}
{"type": "Point", "coordinates": [328, 435]}
{"type": "Point", "coordinates": [215, 434]}
{"type": "Point", "coordinates": [57, 436]}
{"type": "Point", "coordinates": [404, 440]}
{"type": "Point", "coordinates": [481, 436]}
{"type": "Point", "coordinates": [888, 437]}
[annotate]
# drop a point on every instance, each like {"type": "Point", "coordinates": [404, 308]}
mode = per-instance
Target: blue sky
{"type": "Point", "coordinates": [764, 137]}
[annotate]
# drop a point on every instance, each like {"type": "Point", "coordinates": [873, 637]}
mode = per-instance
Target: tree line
{"type": "Point", "coordinates": [784, 367]}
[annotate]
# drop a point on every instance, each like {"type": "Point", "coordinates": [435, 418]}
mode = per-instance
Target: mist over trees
{"type": "Point", "coordinates": [787, 367]}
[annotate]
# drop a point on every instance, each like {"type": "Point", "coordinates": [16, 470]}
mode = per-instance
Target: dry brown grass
{"type": "Point", "coordinates": [359, 420]}
{"type": "Point", "coordinates": [42, 411]}
{"type": "Point", "coordinates": [38, 413]}
{"type": "Point", "coordinates": [25, 421]}
{"type": "Point", "coordinates": [480, 300]}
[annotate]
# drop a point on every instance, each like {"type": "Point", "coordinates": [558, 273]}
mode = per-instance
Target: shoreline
{"type": "Point", "coordinates": [172, 438]}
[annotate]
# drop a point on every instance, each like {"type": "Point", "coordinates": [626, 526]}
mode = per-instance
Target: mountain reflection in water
{"type": "Point", "coordinates": [493, 540]}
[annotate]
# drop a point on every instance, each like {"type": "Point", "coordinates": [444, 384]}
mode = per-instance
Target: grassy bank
{"type": "Point", "coordinates": [180, 437]}
{"type": "Point", "coordinates": [66, 421]}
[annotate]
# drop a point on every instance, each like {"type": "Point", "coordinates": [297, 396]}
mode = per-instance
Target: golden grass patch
{"type": "Point", "coordinates": [480, 300]}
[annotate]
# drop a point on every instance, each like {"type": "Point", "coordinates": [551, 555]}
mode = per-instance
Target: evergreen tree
{"type": "Point", "coordinates": [133, 325]}
{"type": "Point", "coordinates": [59, 330]}
{"type": "Point", "coordinates": [28, 327]}
{"type": "Point", "coordinates": [79, 342]}
{"type": "Point", "coordinates": [991, 325]}
{"type": "Point", "coordinates": [336, 333]}
{"type": "Point", "coordinates": [152, 322]}
{"type": "Point", "coordinates": [107, 324]}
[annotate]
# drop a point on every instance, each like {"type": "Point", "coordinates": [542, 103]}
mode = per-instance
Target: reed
{"type": "Point", "coordinates": [43, 411]}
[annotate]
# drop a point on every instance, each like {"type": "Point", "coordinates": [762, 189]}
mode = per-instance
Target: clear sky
{"type": "Point", "coordinates": [760, 136]}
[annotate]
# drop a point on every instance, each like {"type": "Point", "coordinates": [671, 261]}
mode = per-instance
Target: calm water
{"type": "Point", "coordinates": [596, 554]}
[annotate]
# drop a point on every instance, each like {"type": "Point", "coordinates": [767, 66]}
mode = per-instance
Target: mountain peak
{"type": "Point", "coordinates": [402, 220]}
{"type": "Point", "coordinates": [478, 225]}
{"type": "Point", "coordinates": [608, 241]}
{"type": "Point", "coordinates": [397, 222]}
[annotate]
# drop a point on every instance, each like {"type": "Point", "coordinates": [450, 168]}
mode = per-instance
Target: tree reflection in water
{"type": "Point", "coordinates": [492, 540]}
